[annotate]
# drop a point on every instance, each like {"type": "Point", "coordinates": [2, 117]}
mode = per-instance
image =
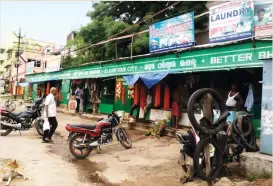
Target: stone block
{"type": "Point", "coordinates": [255, 163]}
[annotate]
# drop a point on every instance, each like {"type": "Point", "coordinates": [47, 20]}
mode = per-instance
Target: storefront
{"type": "Point", "coordinates": [98, 94]}
{"type": "Point", "coordinates": [186, 67]}
{"type": "Point", "coordinates": [183, 85]}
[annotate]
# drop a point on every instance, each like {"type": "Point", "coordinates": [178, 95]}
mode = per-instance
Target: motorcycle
{"type": "Point", "coordinates": [83, 139]}
{"type": "Point", "coordinates": [22, 121]}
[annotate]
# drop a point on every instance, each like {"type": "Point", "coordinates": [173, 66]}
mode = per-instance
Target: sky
{"type": "Point", "coordinates": [49, 21]}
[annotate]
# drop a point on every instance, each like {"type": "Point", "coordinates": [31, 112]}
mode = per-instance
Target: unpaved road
{"type": "Point", "coordinates": [149, 162]}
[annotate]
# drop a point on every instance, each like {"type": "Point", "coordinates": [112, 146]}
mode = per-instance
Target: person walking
{"type": "Point", "coordinates": [81, 101]}
{"type": "Point", "coordinates": [78, 99]}
{"type": "Point", "coordinates": [50, 115]}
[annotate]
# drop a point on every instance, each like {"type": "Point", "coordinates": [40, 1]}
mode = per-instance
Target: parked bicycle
{"type": "Point", "coordinates": [10, 105]}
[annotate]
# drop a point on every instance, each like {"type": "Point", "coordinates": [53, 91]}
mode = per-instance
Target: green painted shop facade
{"type": "Point", "coordinates": [201, 58]}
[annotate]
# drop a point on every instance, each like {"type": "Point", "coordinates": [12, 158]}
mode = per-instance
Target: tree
{"type": "Point", "coordinates": [111, 18]}
{"type": "Point", "coordinates": [132, 11]}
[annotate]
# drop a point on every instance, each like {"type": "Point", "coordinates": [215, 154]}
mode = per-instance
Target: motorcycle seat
{"type": "Point", "coordinates": [15, 113]}
{"type": "Point", "coordinates": [89, 126]}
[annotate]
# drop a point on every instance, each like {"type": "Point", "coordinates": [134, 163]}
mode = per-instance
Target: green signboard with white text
{"type": "Point", "coordinates": [220, 57]}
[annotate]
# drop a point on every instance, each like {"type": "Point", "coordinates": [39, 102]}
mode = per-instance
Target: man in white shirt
{"type": "Point", "coordinates": [149, 101]}
{"type": "Point", "coordinates": [50, 115]}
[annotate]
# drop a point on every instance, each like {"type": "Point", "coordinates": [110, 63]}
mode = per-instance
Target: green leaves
{"type": "Point", "coordinates": [111, 18]}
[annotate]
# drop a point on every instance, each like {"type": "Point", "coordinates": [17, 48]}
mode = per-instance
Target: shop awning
{"type": "Point", "coordinates": [149, 79]}
{"type": "Point", "coordinates": [42, 80]}
{"type": "Point", "coordinates": [23, 84]}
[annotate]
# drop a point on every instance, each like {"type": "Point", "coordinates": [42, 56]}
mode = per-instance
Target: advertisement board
{"type": "Point", "coordinates": [263, 15]}
{"type": "Point", "coordinates": [52, 66]}
{"type": "Point", "coordinates": [30, 67]}
{"type": "Point", "coordinates": [52, 63]}
{"type": "Point", "coordinates": [177, 32]}
{"type": "Point", "coordinates": [231, 21]}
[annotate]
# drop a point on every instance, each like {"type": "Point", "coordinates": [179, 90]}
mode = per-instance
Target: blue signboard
{"type": "Point", "coordinates": [174, 33]}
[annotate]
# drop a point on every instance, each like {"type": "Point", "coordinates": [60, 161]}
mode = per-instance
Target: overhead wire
{"type": "Point", "coordinates": [90, 44]}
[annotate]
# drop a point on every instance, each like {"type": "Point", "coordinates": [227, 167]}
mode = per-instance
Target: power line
{"type": "Point", "coordinates": [91, 44]}
{"type": "Point", "coordinates": [109, 9]}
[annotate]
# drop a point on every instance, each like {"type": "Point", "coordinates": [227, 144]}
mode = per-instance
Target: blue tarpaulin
{"type": "Point", "coordinates": [131, 79]}
{"type": "Point", "coordinates": [151, 79]}
{"type": "Point", "coordinates": [148, 79]}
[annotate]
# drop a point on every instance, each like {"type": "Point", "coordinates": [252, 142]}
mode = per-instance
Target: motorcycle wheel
{"type": "Point", "coordinates": [217, 161]}
{"type": "Point", "coordinates": [8, 130]}
{"type": "Point", "coordinates": [77, 139]}
{"type": "Point", "coordinates": [39, 127]}
{"type": "Point", "coordinates": [125, 139]}
{"type": "Point", "coordinates": [4, 128]}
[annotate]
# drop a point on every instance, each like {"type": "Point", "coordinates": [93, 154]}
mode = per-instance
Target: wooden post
{"type": "Point", "coordinates": [207, 113]}
{"type": "Point", "coordinates": [101, 52]}
{"type": "Point", "coordinates": [116, 45]}
{"type": "Point", "coordinates": [132, 46]}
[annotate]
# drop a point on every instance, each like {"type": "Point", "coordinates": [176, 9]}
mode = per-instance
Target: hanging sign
{"type": "Point", "coordinates": [177, 32]}
{"type": "Point", "coordinates": [231, 21]}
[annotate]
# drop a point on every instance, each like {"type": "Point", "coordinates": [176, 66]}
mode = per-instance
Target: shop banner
{"type": "Point", "coordinates": [231, 21]}
{"type": "Point", "coordinates": [30, 67]}
{"type": "Point", "coordinates": [263, 18]}
{"type": "Point", "coordinates": [232, 56]}
{"type": "Point", "coordinates": [52, 66]}
{"type": "Point", "coordinates": [177, 32]}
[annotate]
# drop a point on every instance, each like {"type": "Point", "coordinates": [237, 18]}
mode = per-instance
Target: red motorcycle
{"type": "Point", "coordinates": [83, 139]}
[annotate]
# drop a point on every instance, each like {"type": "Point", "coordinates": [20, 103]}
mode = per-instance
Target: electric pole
{"type": "Point", "coordinates": [19, 36]}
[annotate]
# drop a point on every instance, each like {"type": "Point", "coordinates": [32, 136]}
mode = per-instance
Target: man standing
{"type": "Point", "coordinates": [78, 99]}
{"type": "Point", "coordinates": [50, 115]}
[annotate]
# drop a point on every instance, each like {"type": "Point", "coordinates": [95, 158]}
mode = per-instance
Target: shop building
{"type": "Point", "coordinates": [215, 66]}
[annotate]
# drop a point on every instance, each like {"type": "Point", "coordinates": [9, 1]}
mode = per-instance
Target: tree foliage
{"type": "Point", "coordinates": [110, 18]}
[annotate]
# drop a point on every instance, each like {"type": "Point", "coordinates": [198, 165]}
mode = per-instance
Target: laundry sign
{"type": "Point", "coordinates": [243, 55]}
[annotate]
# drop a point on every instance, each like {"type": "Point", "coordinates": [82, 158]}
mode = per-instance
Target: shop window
{"type": "Point", "coordinates": [37, 64]}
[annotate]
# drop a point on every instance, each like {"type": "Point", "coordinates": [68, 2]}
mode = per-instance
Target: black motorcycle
{"type": "Point", "coordinates": [24, 120]}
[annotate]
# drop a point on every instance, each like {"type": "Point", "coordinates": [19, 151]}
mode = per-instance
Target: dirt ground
{"type": "Point", "coordinates": [149, 162]}
{"type": "Point", "coordinates": [152, 162]}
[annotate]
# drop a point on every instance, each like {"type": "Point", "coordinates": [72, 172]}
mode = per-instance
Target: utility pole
{"type": "Point", "coordinates": [19, 36]}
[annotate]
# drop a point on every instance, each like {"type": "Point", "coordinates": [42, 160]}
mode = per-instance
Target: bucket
{"type": "Point", "coordinates": [120, 114]}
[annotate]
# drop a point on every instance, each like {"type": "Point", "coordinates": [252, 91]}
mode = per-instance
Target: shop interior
{"type": "Point", "coordinates": [185, 84]}
{"type": "Point", "coordinates": [98, 94]}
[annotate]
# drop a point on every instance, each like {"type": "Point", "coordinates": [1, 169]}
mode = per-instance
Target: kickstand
{"type": "Point", "coordinates": [20, 132]}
